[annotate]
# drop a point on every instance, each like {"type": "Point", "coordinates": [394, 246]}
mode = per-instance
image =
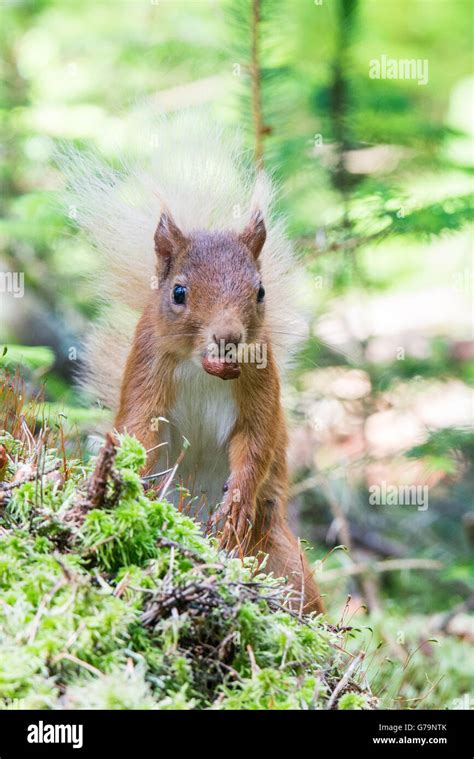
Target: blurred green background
{"type": "Point", "coordinates": [375, 177]}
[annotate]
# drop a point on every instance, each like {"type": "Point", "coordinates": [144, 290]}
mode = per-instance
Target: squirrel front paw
{"type": "Point", "coordinates": [235, 518]}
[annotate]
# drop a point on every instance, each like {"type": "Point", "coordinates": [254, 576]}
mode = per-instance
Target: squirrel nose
{"type": "Point", "coordinates": [228, 338]}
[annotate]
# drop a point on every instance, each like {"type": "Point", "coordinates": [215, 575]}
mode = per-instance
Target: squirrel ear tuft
{"type": "Point", "coordinates": [254, 234]}
{"type": "Point", "coordinates": [168, 236]}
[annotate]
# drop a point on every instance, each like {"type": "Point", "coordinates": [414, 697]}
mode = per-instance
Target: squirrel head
{"type": "Point", "coordinates": [211, 297]}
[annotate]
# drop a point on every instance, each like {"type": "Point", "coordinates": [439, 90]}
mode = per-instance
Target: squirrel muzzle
{"type": "Point", "coordinates": [222, 356]}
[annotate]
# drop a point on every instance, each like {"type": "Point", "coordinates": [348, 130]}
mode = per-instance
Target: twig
{"type": "Point", "coordinates": [345, 679]}
{"type": "Point", "coordinates": [6, 487]}
{"type": "Point", "coordinates": [344, 245]}
{"type": "Point", "coordinates": [75, 634]}
{"type": "Point", "coordinates": [97, 488]}
{"type": "Point", "coordinates": [155, 476]}
{"type": "Point", "coordinates": [122, 585]}
{"type": "Point", "coordinates": [303, 583]}
{"type": "Point", "coordinates": [256, 84]}
{"type": "Point", "coordinates": [173, 472]}
{"type": "Point", "coordinates": [307, 484]}
{"type": "Point", "coordinates": [76, 660]}
{"type": "Point", "coordinates": [187, 552]}
{"type": "Point", "coordinates": [42, 607]}
{"type": "Point", "coordinates": [253, 662]}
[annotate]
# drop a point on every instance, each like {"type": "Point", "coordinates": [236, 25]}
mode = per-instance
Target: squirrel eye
{"type": "Point", "coordinates": [179, 294]}
{"type": "Point", "coordinates": [260, 294]}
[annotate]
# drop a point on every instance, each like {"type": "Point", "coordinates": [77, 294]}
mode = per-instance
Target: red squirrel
{"type": "Point", "coordinates": [202, 363]}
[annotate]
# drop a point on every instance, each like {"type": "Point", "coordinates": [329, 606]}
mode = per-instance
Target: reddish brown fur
{"type": "Point", "coordinates": [220, 271]}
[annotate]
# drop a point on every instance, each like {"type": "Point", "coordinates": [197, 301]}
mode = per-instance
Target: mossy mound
{"type": "Point", "coordinates": [112, 599]}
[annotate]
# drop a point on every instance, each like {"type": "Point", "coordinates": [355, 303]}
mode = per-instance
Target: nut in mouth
{"type": "Point", "coordinates": [221, 367]}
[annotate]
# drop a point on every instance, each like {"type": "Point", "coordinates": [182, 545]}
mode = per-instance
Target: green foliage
{"type": "Point", "coordinates": [70, 417]}
{"type": "Point", "coordinates": [26, 356]}
{"type": "Point", "coordinates": [353, 701]}
{"type": "Point", "coordinates": [270, 689]}
{"type": "Point", "coordinates": [435, 673]}
{"type": "Point", "coordinates": [445, 445]}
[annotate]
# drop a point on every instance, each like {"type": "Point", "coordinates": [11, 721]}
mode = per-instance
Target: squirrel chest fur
{"type": "Point", "coordinates": [204, 412]}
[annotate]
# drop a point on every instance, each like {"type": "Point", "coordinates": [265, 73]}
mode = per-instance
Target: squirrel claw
{"type": "Point", "coordinates": [236, 532]}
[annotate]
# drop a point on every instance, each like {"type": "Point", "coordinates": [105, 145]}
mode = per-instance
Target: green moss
{"type": "Point", "coordinates": [130, 606]}
{"type": "Point", "coordinates": [353, 701]}
{"type": "Point", "coordinates": [275, 689]}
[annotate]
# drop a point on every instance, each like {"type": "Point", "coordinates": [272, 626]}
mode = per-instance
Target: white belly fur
{"type": "Point", "coordinates": [204, 413]}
